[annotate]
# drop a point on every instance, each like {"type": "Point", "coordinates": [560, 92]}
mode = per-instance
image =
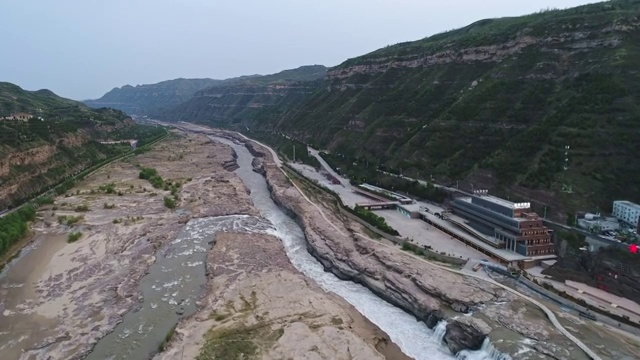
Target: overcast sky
{"type": "Point", "coordinates": [84, 48]}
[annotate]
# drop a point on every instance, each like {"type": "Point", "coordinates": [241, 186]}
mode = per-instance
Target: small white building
{"type": "Point", "coordinates": [626, 212]}
{"type": "Point", "coordinates": [598, 223]}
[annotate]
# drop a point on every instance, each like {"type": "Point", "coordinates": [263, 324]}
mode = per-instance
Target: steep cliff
{"type": "Point", "coordinates": [493, 104]}
{"type": "Point", "coordinates": [54, 138]}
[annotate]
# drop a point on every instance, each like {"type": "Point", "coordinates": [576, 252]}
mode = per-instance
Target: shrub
{"type": "Point", "coordinates": [45, 200]}
{"type": "Point", "coordinates": [69, 220]}
{"type": "Point", "coordinates": [73, 237]}
{"type": "Point", "coordinates": [82, 208]}
{"type": "Point", "coordinates": [14, 226]}
{"type": "Point", "coordinates": [108, 188]}
{"type": "Point", "coordinates": [152, 176]}
{"type": "Point", "coordinates": [169, 202]}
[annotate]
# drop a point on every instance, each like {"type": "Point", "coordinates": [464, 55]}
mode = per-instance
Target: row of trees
{"type": "Point", "coordinates": [13, 227]}
{"type": "Point", "coordinates": [375, 220]}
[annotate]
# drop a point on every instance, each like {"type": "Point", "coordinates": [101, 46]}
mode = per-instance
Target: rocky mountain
{"type": "Point", "coordinates": [45, 138]}
{"type": "Point", "coordinates": [147, 99]}
{"type": "Point", "coordinates": [494, 105]}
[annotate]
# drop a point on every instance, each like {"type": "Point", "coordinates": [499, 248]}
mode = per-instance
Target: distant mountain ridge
{"type": "Point", "coordinates": [153, 99]}
{"type": "Point", "coordinates": [144, 99]}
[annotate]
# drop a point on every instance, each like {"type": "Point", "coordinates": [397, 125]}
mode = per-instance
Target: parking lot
{"type": "Point", "coordinates": [424, 234]}
{"type": "Point", "coordinates": [348, 197]}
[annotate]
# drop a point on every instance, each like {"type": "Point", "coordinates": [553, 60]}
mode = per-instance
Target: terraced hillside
{"type": "Point", "coordinates": [492, 105]}
{"type": "Point", "coordinates": [58, 138]}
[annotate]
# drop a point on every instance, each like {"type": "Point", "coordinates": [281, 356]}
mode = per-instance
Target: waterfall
{"type": "Point", "coordinates": [486, 352]}
{"type": "Point", "coordinates": [440, 330]}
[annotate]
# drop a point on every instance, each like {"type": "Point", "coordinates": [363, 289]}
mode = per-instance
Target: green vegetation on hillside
{"type": "Point", "coordinates": [14, 226]}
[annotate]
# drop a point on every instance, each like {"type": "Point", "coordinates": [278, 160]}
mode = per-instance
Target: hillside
{"type": "Point", "coordinates": [147, 99]}
{"type": "Point", "coordinates": [57, 141]}
{"type": "Point", "coordinates": [491, 105]}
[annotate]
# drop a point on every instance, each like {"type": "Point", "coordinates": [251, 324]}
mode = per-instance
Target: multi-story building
{"type": "Point", "coordinates": [511, 226]}
{"type": "Point", "coordinates": [626, 212]}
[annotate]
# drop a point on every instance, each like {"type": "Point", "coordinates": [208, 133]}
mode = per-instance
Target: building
{"type": "Point", "coordinates": [627, 212]}
{"type": "Point", "coordinates": [597, 223]}
{"type": "Point", "coordinates": [511, 226]}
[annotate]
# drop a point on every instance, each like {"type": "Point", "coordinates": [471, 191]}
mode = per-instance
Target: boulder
{"type": "Point", "coordinates": [466, 333]}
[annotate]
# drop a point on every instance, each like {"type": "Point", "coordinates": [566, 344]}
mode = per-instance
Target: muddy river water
{"type": "Point", "coordinates": [175, 282]}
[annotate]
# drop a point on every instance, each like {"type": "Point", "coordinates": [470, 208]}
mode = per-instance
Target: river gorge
{"type": "Point", "coordinates": [244, 257]}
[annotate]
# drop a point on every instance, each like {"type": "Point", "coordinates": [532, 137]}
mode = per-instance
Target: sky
{"type": "Point", "coordinates": [81, 49]}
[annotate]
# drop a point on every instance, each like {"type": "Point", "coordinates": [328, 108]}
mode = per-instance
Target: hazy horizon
{"type": "Point", "coordinates": [82, 49]}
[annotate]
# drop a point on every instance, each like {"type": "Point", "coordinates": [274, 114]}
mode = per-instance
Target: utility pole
{"type": "Point", "coordinates": [545, 212]}
{"type": "Point", "coordinates": [294, 153]}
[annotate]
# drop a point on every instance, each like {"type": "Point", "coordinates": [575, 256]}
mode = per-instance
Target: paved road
{"type": "Point", "coordinates": [316, 153]}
